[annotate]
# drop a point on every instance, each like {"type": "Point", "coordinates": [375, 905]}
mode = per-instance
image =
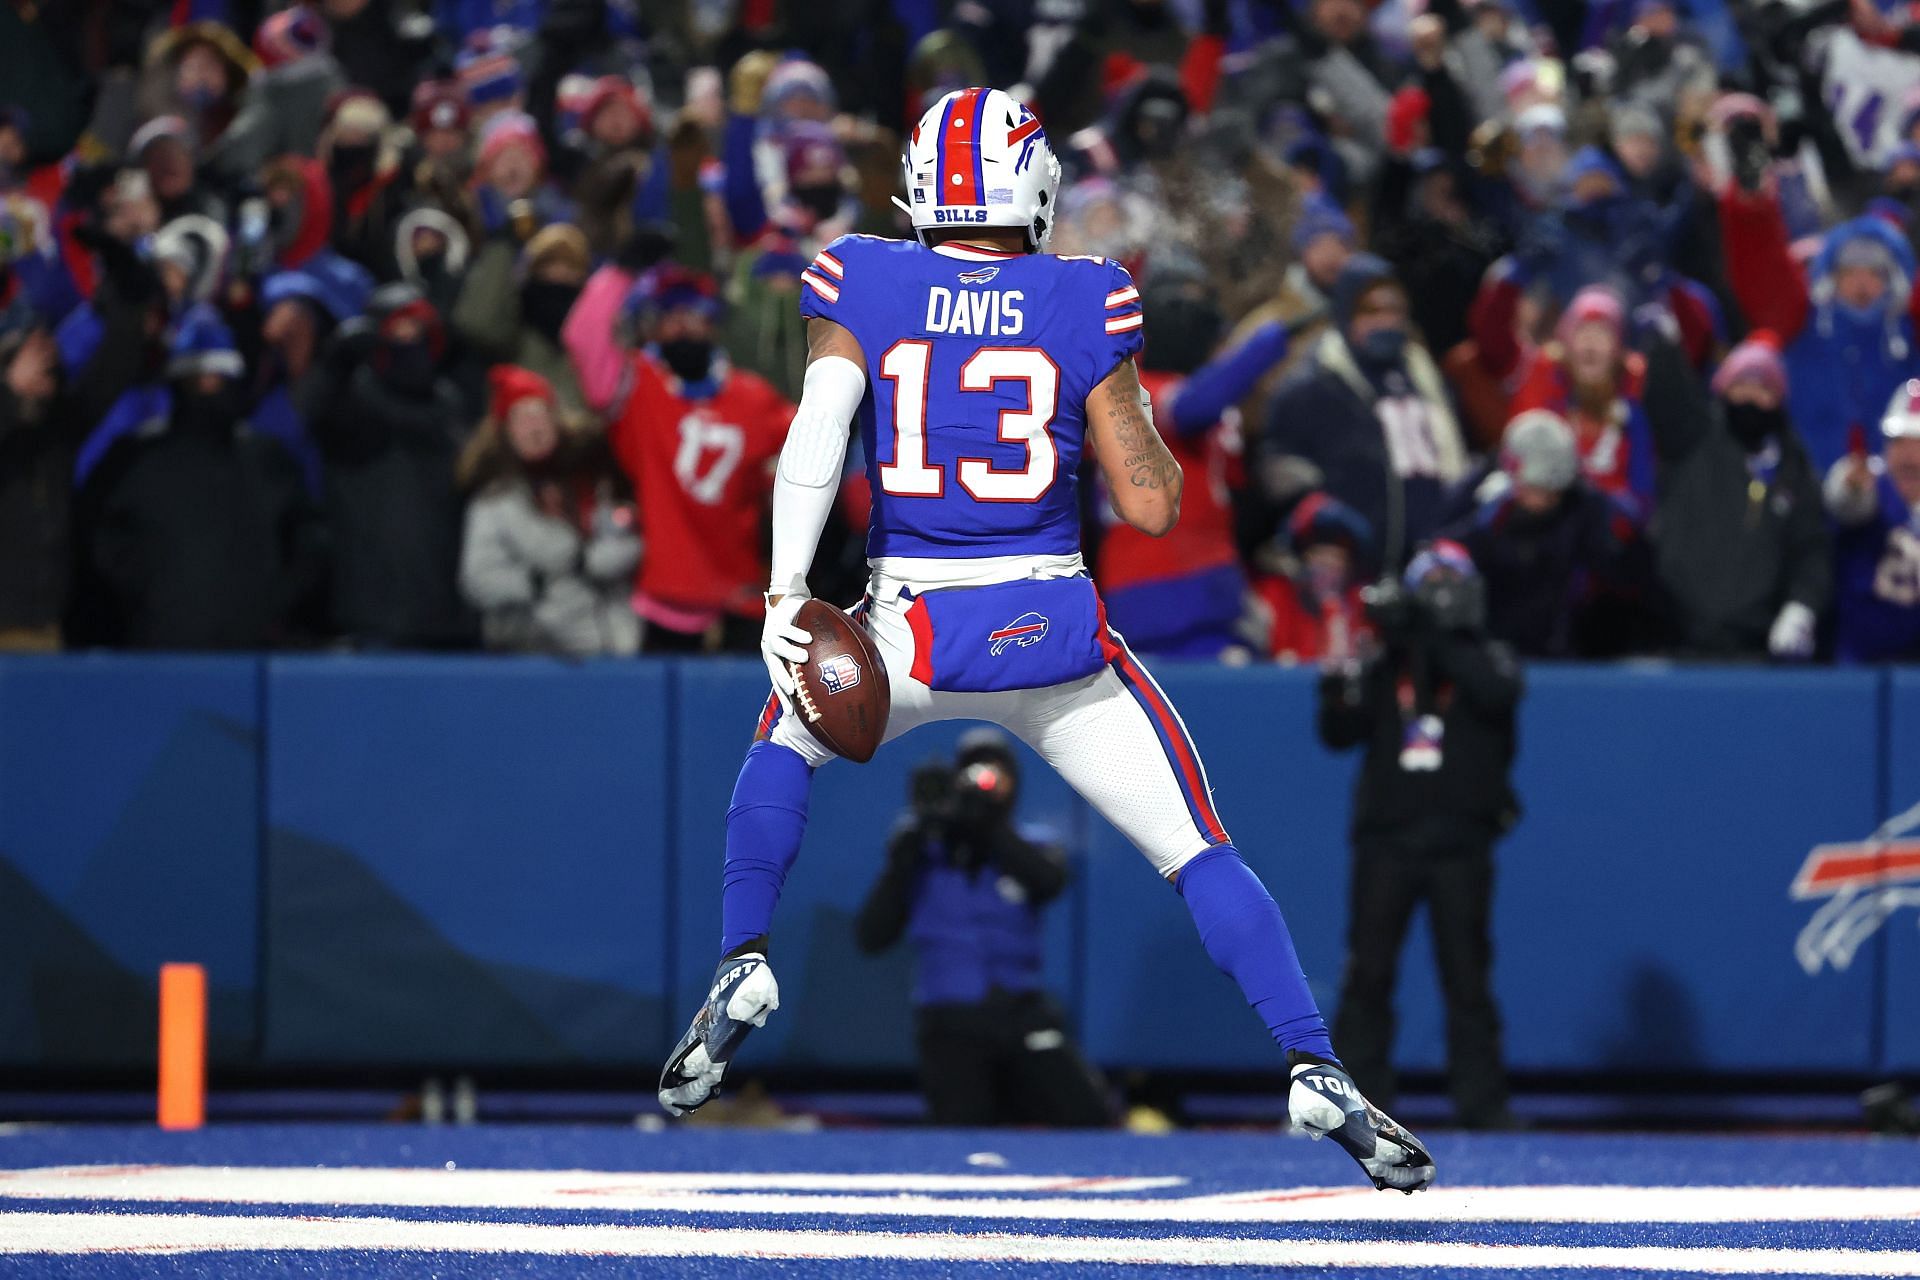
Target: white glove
{"type": "Point", "coordinates": [1792, 634]}
{"type": "Point", "coordinates": [781, 642]}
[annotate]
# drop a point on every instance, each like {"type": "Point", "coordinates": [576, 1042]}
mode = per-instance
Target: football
{"type": "Point", "coordinates": [841, 692]}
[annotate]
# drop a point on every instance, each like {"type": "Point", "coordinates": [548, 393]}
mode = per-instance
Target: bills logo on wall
{"type": "Point", "coordinates": [1862, 883]}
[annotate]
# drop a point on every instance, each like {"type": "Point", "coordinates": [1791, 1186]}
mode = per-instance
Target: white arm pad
{"type": "Point", "coordinates": [804, 486]}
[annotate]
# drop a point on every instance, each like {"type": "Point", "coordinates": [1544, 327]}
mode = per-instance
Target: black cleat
{"type": "Point", "coordinates": [1324, 1101]}
{"type": "Point", "coordinates": [742, 995]}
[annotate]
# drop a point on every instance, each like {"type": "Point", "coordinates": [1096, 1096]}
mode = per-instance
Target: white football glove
{"type": "Point", "coordinates": [781, 642]}
{"type": "Point", "coordinates": [1792, 634]}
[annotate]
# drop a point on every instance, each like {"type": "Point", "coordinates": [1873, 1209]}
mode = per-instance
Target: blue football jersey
{"type": "Point", "coordinates": [978, 369]}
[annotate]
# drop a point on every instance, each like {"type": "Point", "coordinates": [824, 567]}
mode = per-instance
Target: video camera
{"type": "Point", "coordinates": [963, 808]}
{"type": "Point", "coordinates": [1442, 603]}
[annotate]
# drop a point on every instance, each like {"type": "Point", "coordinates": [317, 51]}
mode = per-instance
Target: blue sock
{"type": "Point", "coordinates": [1242, 929]}
{"type": "Point", "coordinates": [764, 826]}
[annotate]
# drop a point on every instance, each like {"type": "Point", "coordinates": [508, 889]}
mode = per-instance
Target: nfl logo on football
{"type": "Point", "coordinates": [840, 673]}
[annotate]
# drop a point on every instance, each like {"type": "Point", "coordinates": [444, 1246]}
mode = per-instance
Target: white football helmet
{"type": "Point", "coordinates": [978, 158]}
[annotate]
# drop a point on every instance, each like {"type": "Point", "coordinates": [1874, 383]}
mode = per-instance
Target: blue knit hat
{"type": "Point", "coordinates": [338, 286]}
{"type": "Point", "coordinates": [796, 78]}
{"type": "Point", "coordinates": [1904, 153]}
{"type": "Point", "coordinates": [1589, 162]}
{"type": "Point", "coordinates": [1442, 553]}
{"type": "Point", "coordinates": [1362, 272]}
{"type": "Point", "coordinates": [1320, 216]}
{"type": "Point", "coordinates": [1314, 152]}
{"type": "Point", "coordinates": [668, 287]}
{"type": "Point", "coordinates": [1866, 240]}
{"type": "Point", "coordinates": [488, 68]}
{"type": "Point", "coordinates": [203, 344]}
{"type": "Point", "coordinates": [780, 261]}
{"type": "Point", "coordinates": [1320, 517]}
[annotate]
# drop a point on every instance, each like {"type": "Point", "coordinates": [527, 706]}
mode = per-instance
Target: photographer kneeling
{"type": "Point", "coordinates": [1434, 709]}
{"type": "Point", "coordinates": [969, 888]}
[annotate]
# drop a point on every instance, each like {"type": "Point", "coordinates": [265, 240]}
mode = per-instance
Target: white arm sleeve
{"type": "Point", "coordinates": [804, 486]}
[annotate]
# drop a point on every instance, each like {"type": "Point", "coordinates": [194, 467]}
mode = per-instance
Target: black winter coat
{"type": "Point", "coordinates": [1730, 548]}
{"type": "Point", "coordinates": [1474, 685]}
{"type": "Point", "coordinates": [1548, 575]}
{"type": "Point", "coordinates": [37, 447]}
{"type": "Point", "coordinates": [205, 539]}
{"type": "Point", "coordinates": [394, 516]}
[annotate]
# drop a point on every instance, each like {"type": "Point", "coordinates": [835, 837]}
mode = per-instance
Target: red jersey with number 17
{"type": "Point", "coordinates": [703, 471]}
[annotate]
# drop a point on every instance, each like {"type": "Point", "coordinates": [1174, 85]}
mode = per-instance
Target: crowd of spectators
{"type": "Point", "coordinates": [458, 323]}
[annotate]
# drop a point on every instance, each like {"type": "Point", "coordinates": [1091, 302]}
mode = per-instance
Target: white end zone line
{"type": "Point", "coordinates": [86, 1233]}
{"type": "Point", "coordinates": [514, 1188]}
{"type": "Point", "coordinates": [906, 1195]}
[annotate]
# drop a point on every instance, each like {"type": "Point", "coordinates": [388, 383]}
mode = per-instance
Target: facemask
{"type": "Point", "coordinates": [1600, 216]}
{"type": "Point", "coordinates": [1656, 52]}
{"type": "Point", "coordinates": [283, 226]}
{"type": "Point", "coordinates": [1325, 582]}
{"type": "Point", "coordinates": [1751, 425]}
{"type": "Point", "coordinates": [1158, 131]}
{"type": "Point", "coordinates": [1382, 348]}
{"type": "Point", "coordinates": [432, 270]}
{"type": "Point", "coordinates": [1907, 194]}
{"type": "Point", "coordinates": [1864, 316]}
{"type": "Point", "coordinates": [271, 367]}
{"type": "Point", "coordinates": [690, 358]}
{"type": "Point", "coordinates": [1522, 520]}
{"type": "Point", "coordinates": [545, 304]}
{"type": "Point", "coordinates": [408, 366]}
{"type": "Point", "coordinates": [352, 163]}
{"type": "Point", "coordinates": [211, 414]}
{"type": "Point", "coordinates": [200, 97]}
{"type": "Point", "coordinates": [820, 201]}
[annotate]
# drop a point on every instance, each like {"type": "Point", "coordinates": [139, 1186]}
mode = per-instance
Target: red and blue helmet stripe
{"type": "Point", "coordinates": [961, 180]}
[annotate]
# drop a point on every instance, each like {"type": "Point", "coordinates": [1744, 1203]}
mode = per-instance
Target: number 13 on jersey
{"type": "Point", "coordinates": [908, 365]}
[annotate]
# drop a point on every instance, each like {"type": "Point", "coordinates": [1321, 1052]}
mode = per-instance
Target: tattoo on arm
{"type": "Point", "coordinates": [1145, 458]}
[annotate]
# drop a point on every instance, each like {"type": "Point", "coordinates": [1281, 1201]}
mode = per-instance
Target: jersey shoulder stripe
{"type": "Point", "coordinates": [1122, 316]}
{"type": "Point", "coordinates": [820, 285]}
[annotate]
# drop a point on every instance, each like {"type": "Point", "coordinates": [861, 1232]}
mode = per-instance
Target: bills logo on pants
{"type": "Point", "coordinates": [1026, 630]}
{"type": "Point", "coordinates": [1111, 734]}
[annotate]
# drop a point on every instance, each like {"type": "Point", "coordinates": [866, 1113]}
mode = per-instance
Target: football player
{"type": "Point", "coordinates": [978, 368]}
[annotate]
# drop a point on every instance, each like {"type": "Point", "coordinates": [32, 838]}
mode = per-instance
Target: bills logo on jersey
{"type": "Point", "coordinates": [1023, 632]}
{"type": "Point", "coordinates": [839, 673]}
{"type": "Point", "coordinates": [981, 276]}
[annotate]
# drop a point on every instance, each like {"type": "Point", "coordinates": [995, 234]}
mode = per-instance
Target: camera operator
{"type": "Point", "coordinates": [969, 888]}
{"type": "Point", "coordinates": [1434, 709]}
